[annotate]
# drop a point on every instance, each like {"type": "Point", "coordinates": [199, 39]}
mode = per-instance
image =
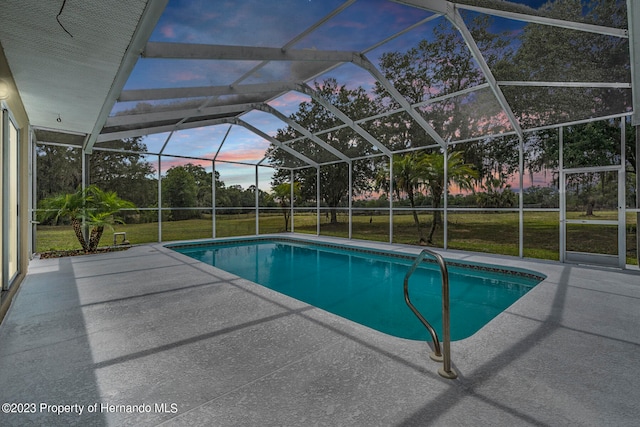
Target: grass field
{"type": "Point", "coordinates": [479, 232]}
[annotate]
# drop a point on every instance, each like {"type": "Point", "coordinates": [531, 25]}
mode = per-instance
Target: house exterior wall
{"type": "Point", "coordinates": [12, 106]}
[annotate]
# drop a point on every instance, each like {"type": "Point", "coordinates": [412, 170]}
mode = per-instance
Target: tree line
{"type": "Point", "coordinates": [133, 177]}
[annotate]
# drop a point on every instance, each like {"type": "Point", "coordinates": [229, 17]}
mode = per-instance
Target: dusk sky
{"type": "Point", "coordinates": [269, 24]}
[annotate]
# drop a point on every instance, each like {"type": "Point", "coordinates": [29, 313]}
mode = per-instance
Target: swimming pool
{"type": "Point", "coordinates": [366, 286]}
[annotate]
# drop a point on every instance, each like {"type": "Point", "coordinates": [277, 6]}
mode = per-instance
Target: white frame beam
{"type": "Point", "coordinates": [141, 119]}
{"type": "Point", "coordinates": [441, 6]}
{"type": "Point", "coordinates": [605, 85]}
{"type": "Point", "coordinates": [241, 53]}
{"type": "Point", "coordinates": [552, 22]}
{"type": "Point", "coordinates": [161, 129]}
{"type": "Point", "coordinates": [205, 91]}
{"type": "Point", "coordinates": [633, 16]}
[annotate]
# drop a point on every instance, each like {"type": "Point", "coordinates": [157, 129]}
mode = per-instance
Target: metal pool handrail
{"type": "Point", "coordinates": [445, 356]}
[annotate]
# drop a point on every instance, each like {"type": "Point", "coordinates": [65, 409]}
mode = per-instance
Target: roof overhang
{"type": "Point", "coordinates": [70, 60]}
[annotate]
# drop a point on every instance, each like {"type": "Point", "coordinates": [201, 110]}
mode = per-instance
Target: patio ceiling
{"type": "Point", "coordinates": [70, 59]}
{"type": "Point", "coordinates": [81, 68]}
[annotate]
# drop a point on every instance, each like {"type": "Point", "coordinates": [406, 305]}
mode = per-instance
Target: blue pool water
{"type": "Point", "coordinates": [367, 286]}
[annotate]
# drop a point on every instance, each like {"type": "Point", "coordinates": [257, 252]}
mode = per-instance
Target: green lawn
{"type": "Point", "coordinates": [480, 232]}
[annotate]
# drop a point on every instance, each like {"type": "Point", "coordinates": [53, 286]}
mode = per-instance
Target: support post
{"type": "Point", "coordinates": [521, 198]}
{"type": "Point", "coordinates": [159, 198]}
{"type": "Point", "coordinates": [637, 129]}
{"type": "Point", "coordinates": [257, 201]}
{"type": "Point", "coordinates": [213, 198]}
{"type": "Point", "coordinates": [33, 191]}
{"type": "Point", "coordinates": [391, 198]}
{"type": "Point", "coordinates": [622, 214]}
{"type": "Point", "coordinates": [562, 195]}
{"type": "Point", "coordinates": [318, 200]}
{"type": "Point", "coordinates": [84, 185]}
{"type": "Point", "coordinates": [291, 200]}
{"type": "Point", "coordinates": [445, 204]}
{"type": "Point", "coordinates": [350, 165]}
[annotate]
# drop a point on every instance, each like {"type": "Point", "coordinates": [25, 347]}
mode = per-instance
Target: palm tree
{"type": "Point", "coordinates": [93, 206]}
{"type": "Point", "coordinates": [408, 178]}
{"type": "Point", "coordinates": [415, 171]}
{"type": "Point", "coordinates": [458, 173]}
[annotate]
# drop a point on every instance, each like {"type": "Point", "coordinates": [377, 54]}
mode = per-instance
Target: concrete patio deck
{"type": "Point", "coordinates": [183, 343]}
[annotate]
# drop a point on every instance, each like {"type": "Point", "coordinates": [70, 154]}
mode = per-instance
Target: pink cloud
{"type": "Point", "coordinates": [246, 155]}
{"type": "Point", "coordinates": [288, 99]}
{"type": "Point", "coordinates": [168, 31]}
{"type": "Point", "coordinates": [185, 76]}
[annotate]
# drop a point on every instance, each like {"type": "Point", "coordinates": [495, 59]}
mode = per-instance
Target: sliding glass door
{"type": "Point", "coordinates": [10, 189]}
